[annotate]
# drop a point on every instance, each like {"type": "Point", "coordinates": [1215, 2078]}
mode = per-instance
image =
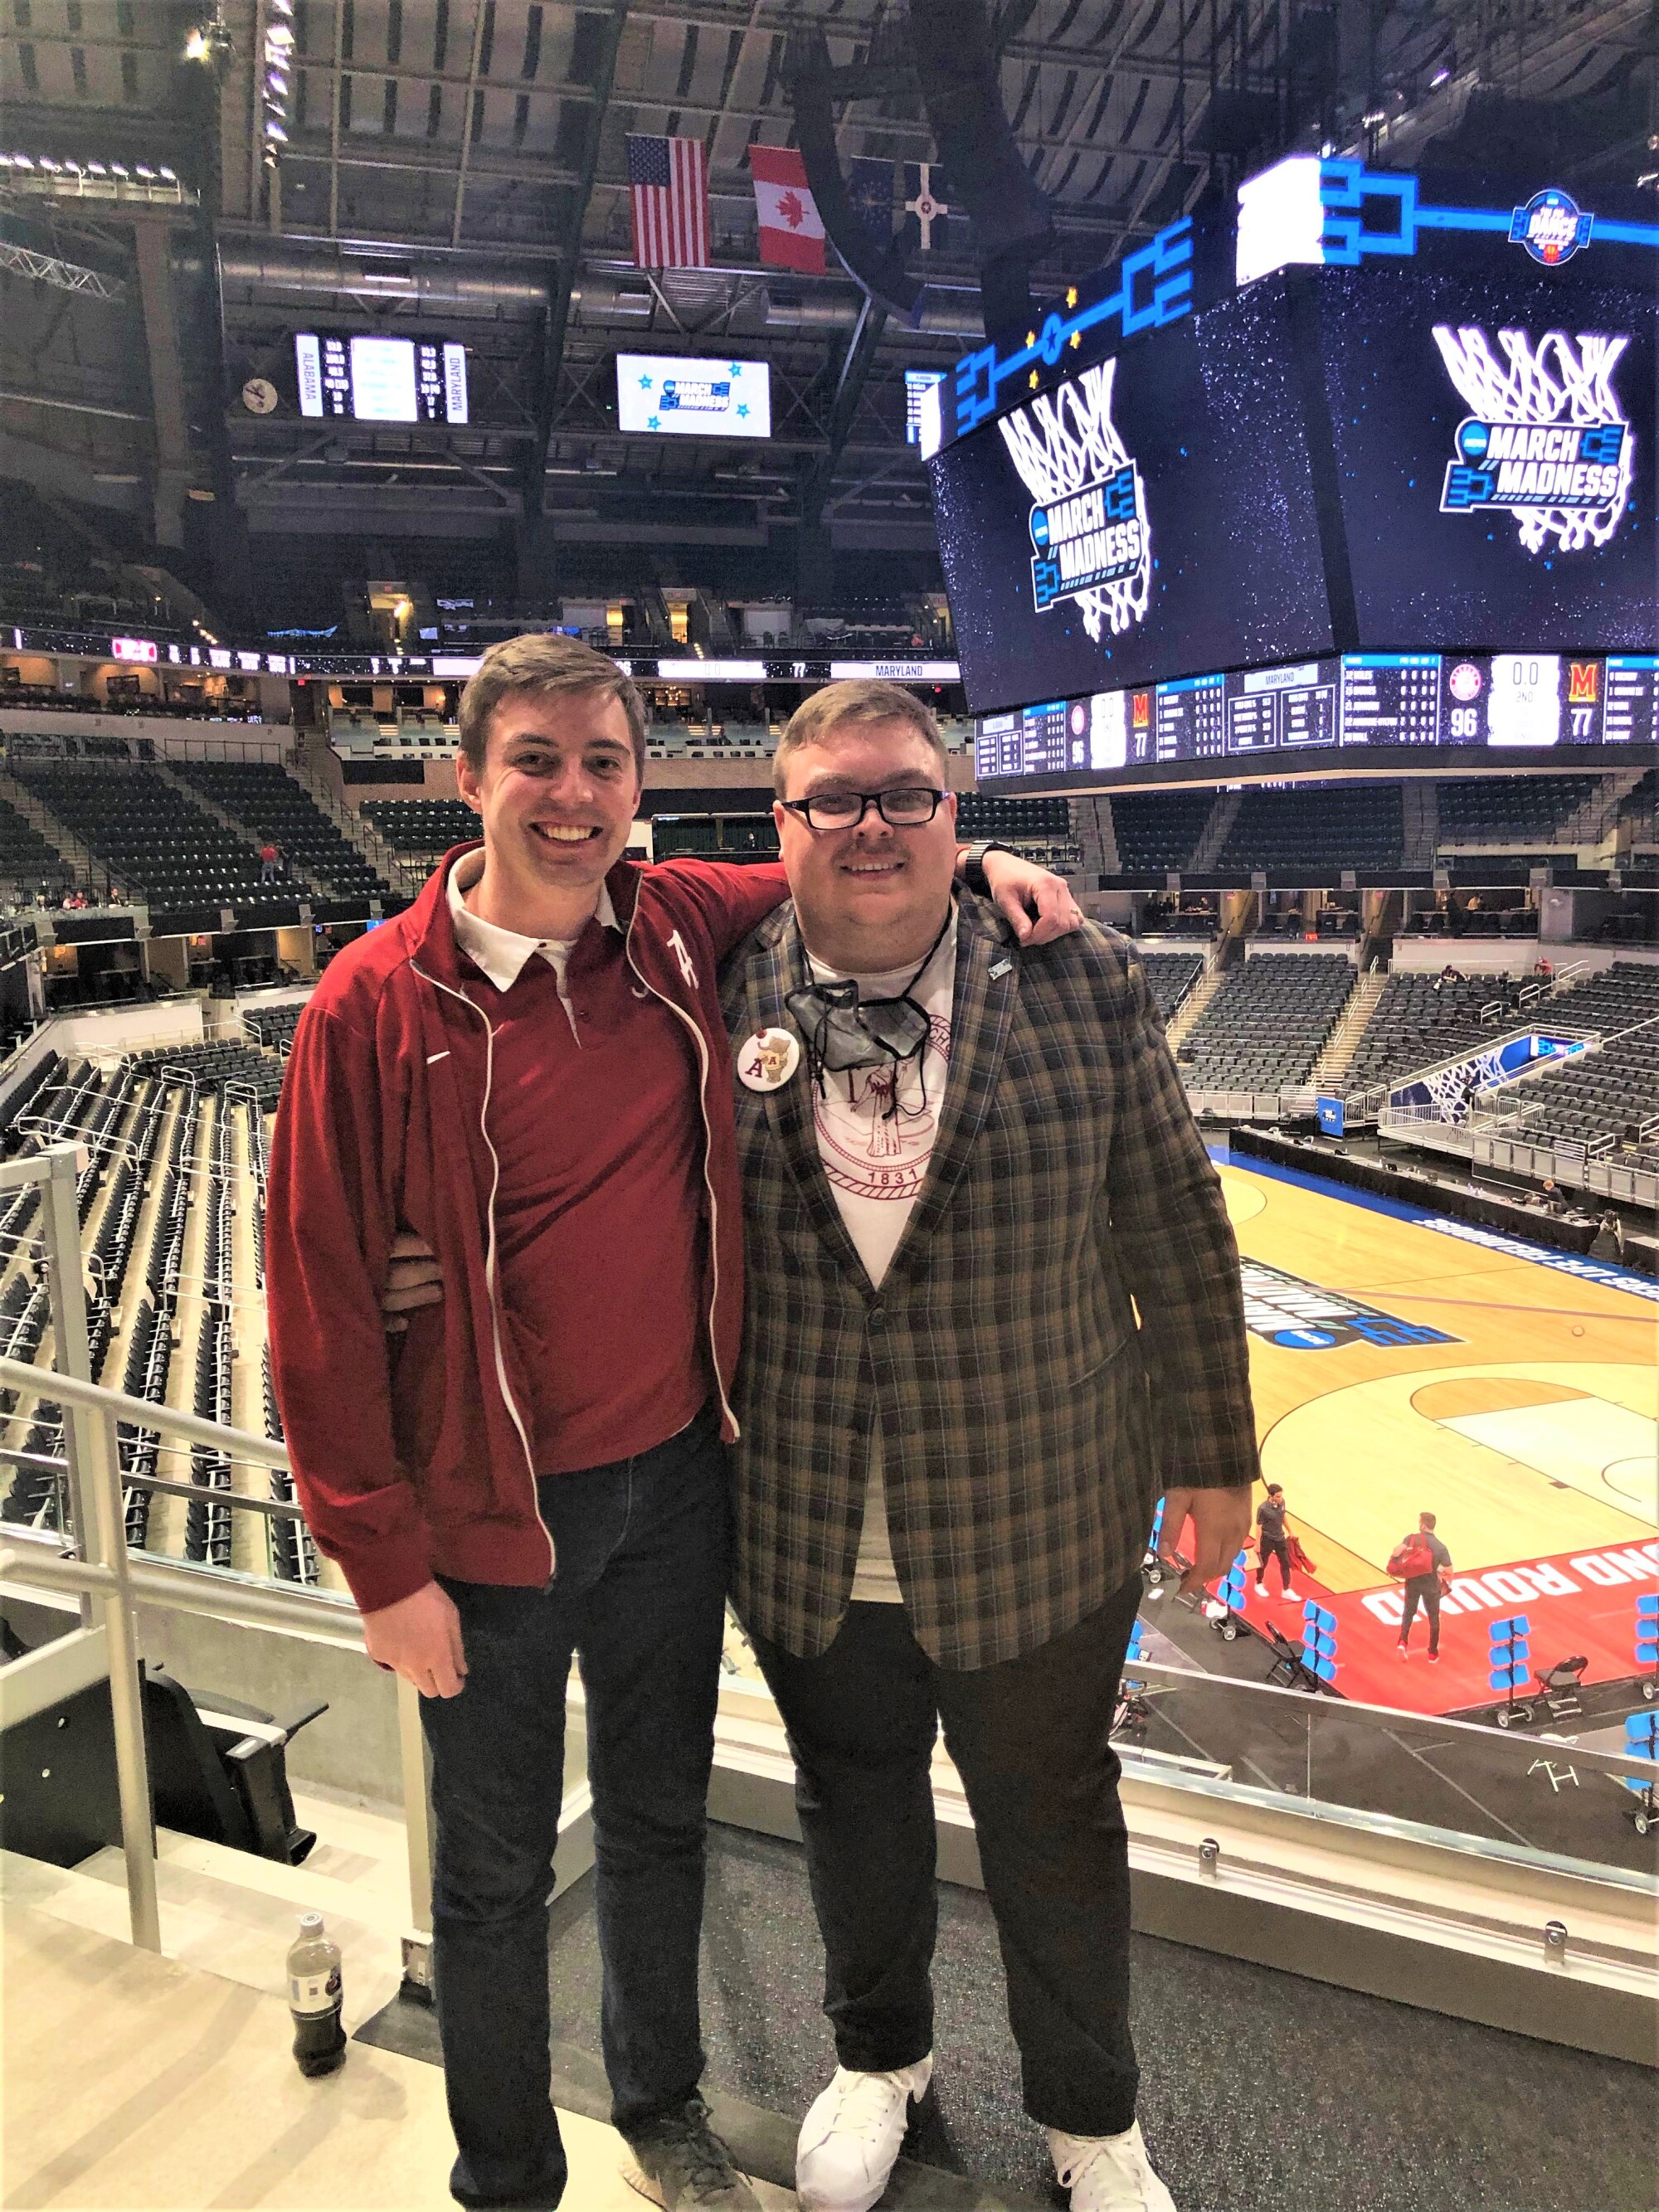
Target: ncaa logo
{"type": "Point", "coordinates": [1551, 227]}
{"type": "Point", "coordinates": [1472, 440]}
{"type": "Point", "coordinates": [1040, 526]}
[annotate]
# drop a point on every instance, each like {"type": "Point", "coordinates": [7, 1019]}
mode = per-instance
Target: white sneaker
{"type": "Point", "coordinates": [1288, 1592]}
{"type": "Point", "coordinates": [851, 2138]}
{"type": "Point", "coordinates": [1108, 2173]}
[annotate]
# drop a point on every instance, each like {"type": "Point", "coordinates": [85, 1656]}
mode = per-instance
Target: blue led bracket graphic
{"type": "Point", "coordinates": [1154, 287]}
{"type": "Point", "coordinates": [1345, 188]}
{"type": "Point", "coordinates": [1356, 198]}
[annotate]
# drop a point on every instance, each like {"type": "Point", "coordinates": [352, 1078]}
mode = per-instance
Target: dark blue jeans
{"type": "Point", "coordinates": [639, 1596]}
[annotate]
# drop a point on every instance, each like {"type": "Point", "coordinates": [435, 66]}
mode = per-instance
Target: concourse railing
{"type": "Point", "coordinates": [90, 1560]}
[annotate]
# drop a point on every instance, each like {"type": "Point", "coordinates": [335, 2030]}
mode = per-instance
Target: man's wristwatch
{"type": "Point", "coordinates": [973, 864]}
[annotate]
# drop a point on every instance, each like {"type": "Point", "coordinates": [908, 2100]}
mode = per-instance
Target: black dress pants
{"type": "Point", "coordinates": [1030, 1739]}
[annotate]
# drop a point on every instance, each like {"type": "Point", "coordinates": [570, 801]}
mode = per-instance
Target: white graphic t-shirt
{"type": "Point", "coordinates": [877, 1162]}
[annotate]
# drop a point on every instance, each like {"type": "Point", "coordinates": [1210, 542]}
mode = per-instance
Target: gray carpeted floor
{"type": "Point", "coordinates": [1262, 2092]}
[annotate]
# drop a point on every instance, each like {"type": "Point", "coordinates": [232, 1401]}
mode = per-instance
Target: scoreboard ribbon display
{"type": "Point", "coordinates": [1096, 537]}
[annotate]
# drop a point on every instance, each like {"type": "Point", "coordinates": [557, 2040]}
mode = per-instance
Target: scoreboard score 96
{"type": "Point", "coordinates": [1356, 703]}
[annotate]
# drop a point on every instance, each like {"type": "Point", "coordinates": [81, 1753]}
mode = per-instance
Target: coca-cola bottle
{"type": "Point", "coordinates": [314, 1992]}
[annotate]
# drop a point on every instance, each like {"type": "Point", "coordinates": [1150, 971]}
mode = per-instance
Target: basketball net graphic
{"type": "Point", "coordinates": [1063, 440]}
{"type": "Point", "coordinates": [1563, 380]}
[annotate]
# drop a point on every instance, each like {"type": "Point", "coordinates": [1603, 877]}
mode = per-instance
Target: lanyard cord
{"type": "Point", "coordinates": [814, 1052]}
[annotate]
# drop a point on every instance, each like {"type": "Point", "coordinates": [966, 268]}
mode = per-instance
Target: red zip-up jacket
{"type": "Point", "coordinates": [411, 1454]}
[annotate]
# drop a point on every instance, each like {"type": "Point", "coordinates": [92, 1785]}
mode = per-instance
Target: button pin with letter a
{"type": "Point", "coordinates": [768, 1060]}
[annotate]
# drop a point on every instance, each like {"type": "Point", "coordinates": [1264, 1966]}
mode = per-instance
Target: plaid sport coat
{"type": "Point", "coordinates": [1030, 1413]}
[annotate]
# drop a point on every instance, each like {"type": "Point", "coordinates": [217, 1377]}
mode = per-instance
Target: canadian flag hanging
{"type": "Point", "coordinates": [791, 233]}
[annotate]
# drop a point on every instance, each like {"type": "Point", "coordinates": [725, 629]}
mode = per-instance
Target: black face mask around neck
{"type": "Point", "coordinates": [843, 1032]}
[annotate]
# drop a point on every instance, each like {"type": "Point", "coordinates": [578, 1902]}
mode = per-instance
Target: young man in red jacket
{"type": "Point", "coordinates": [528, 1071]}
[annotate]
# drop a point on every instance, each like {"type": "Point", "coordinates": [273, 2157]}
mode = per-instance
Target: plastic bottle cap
{"type": "Point", "coordinates": [310, 1922]}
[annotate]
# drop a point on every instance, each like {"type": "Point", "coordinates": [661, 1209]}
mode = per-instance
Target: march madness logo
{"type": "Point", "coordinates": [1090, 539]}
{"type": "Point", "coordinates": [1551, 227]}
{"type": "Point", "coordinates": [1302, 1316]}
{"type": "Point", "coordinates": [1547, 437]}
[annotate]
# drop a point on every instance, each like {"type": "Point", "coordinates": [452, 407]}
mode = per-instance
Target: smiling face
{"type": "Point", "coordinates": [870, 898]}
{"type": "Point", "coordinates": [557, 795]}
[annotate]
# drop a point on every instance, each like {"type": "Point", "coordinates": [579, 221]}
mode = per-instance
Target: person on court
{"type": "Point", "coordinates": [1420, 1559]}
{"type": "Point", "coordinates": [1271, 1539]}
{"type": "Point", "coordinates": [994, 1311]}
{"type": "Point", "coordinates": [526, 1073]}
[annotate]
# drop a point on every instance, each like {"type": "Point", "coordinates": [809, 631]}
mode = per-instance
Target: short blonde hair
{"type": "Point", "coordinates": [542, 664]}
{"type": "Point", "coordinates": [864, 700]}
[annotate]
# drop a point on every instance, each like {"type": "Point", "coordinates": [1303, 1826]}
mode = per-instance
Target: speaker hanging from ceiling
{"type": "Point", "coordinates": [876, 262]}
{"type": "Point", "coordinates": [956, 65]}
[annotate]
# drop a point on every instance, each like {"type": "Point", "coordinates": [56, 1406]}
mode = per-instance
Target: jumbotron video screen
{"type": "Point", "coordinates": [1335, 469]}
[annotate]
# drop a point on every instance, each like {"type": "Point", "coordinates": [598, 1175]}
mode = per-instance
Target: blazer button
{"type": "Point", "coordinates": [878, 1317]}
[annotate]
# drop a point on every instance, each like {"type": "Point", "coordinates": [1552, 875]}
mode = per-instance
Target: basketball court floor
{"type": "Point", "coordinates": [1402, 1363]}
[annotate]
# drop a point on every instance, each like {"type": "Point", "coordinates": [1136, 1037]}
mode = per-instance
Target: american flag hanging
{"type": "Point", "coordinates": [668, 183]}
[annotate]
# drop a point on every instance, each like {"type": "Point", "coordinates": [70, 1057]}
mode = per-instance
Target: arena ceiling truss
{"type": "Point", "coordinates": [458, 167]}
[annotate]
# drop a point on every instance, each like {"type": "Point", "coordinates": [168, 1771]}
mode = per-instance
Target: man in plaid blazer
{"type": "Point", "coordinates": [1009, 1373]}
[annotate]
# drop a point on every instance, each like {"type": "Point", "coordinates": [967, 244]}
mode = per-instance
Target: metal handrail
{"type": "Point", "coordinates": [143, 1412]}
{"type": "Point", "coordinates": [106, 1578]}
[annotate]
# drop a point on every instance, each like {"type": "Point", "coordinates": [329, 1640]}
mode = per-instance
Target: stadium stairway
{"type": "Point", "coordinates": [1345, 1038]}
{"type": "Point", "coordinates": [1223, 815]}
{"type": "Point", "coordinates": [355, 828]}
{"type": "Point", "coordinates": [76, 854]}
{"type": "Point", "coordinates": [1420, 822]}
{"type": "Point", "coordinates": [1096, 836]}
{"type": "Point", "coordinates": [1191, 1007]}
{"type": "Point", "coordinates": [1597, 822]}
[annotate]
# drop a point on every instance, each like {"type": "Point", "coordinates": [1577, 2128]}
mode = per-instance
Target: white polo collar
{"type": "Point", "coordinates": [501, 953]}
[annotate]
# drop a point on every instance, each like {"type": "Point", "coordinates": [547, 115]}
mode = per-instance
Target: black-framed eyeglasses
{"type": "Point", "coordinates": [906, 808]}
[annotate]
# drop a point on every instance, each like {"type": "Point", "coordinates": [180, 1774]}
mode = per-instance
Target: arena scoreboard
{"type": "Point", "coordinates": [1335, 710]}
{"type": "Point", "coordinates": [1240, 505]}
{"type": "Point", "coordinates": [380, 379]}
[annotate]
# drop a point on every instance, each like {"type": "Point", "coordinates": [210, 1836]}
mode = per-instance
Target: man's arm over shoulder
{"type": "Point", "coordinates": [730, 898]}
{"type": "Point", "coordinates": [1174, 1246]}
{"type": "Point", "coordinates": [328, 1232]}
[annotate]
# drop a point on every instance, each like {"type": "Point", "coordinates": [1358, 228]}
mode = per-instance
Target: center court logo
{"type": "Point", "coordinates": [1302, 1316]}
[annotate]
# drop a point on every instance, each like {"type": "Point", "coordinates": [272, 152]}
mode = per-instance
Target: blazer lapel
{"type": "Point", "coordinates": [982, 1011]}
{"type": "Point", "coordinates": [789, 1112]}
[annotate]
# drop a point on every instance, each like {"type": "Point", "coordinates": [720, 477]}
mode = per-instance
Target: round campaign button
{"type": "Point", "coordinates": [768, 1060]}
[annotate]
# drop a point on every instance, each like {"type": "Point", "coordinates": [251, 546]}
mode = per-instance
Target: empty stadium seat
{"type": "Point", "coordinates": [1512, 811]}
{"type": "Point", "coordinates": [1159, 829]}
{"type": "Point", "coordinates": [1266, 1024]}
{"type": "Point", "coordinates": [1309, 836]}
{"type": "Point", "coordinates": [267, 802]}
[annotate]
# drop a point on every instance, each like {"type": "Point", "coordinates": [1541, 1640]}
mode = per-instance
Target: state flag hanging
{"type": "Point", "coordinates": [668, 192]}
{"type": "Point", "coordinates": [870, 189]}
{"type": "Point", "coordinates": [927, 212]}
{"type": "Point", "coordinates": [791, 229]}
